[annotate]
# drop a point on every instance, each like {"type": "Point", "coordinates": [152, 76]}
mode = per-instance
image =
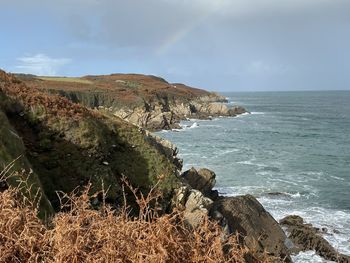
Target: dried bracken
{"type": "Point", "coordinates": [84, 234]}
{"type": "Point", "coordinates": [32, 97]}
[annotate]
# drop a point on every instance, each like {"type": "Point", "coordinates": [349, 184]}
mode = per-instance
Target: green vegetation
{"type": "Point", "coordinates": [66, 79]}
{"type": "Point", "coordinates": [68, 146]}
{"type": "Point", "coordinates": [12, 148]}
{"type": "Point", "coordinates": [132, 84]}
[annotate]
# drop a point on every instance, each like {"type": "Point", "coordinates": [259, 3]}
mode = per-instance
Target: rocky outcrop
{"type": "Point", "coordinates": [194, 204]}
{"type": "Point", "coordinates": [155, 117]}
{"type": "Point", "coordinates": [242, 214]}
{"type": "Point", "coordinates": [147, 101]}
{"type": "Point", "coordinates": [67, 145]}
{"type": "Point", "coordinates": [259, 230]}
{"type": "Point", "coordinates": [202, 180]}
{"type": "Point", "coordinates": [166, 148]}
{"type": "Point", "coordinates": [194, 197]}
{"type": "Point", "coordinates": [306, 237]}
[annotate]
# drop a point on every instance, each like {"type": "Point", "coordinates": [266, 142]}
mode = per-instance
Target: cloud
{"type": "Point", "coordinates": [288, 44]}
{"type": "Point", "coordinates": [41, 64]}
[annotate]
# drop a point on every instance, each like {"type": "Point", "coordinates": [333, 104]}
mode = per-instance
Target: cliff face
{"type": "Point", "coordinates": [147, 101]}
{"type": "Point", "coordinates": [64, 146]}
{"type": "Point", "coordinates": [67, 145]}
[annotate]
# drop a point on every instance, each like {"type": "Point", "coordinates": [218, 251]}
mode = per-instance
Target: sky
{"type": "Point", "coordinates": [222, 45]}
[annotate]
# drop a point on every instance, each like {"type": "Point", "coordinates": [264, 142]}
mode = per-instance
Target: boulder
{"type": "Point", "coordinates": [202, 180]}
{"type": "Point", "coordinates": [236, 110]}
{"type": "Point", "coordinates": [306, 237]}
{"type": "Point", "coordinates": [258, 229]}
{"type": "Point", "coordinates": [194, 204]}
{"type": "Point", "coordinates": [196, 200]}
{"type": "Point", "coordinates": [196, 208]}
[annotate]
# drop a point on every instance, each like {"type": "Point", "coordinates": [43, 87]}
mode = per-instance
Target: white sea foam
{"type": "Point", "coordinates": [337, 178]}
{"type": "Point", "coordinates": [280, 161]}
{"type": "Point", "coordinates": [283, 204]}
{"type": "Point", "coordinates": [227, 151]}
{"type": "Point", "coordinates": [243, 114]}
{"type": "Point", "coordinates": [296, 195]}
{"type": "Point", "coordinates": [338, 225]}
{"type": "Point", "coordinates": [308, 256]}
{"type": "Point", "coordinates": [250, 162]}
{"type": "Point", "coordinates": [185, 126]}
{"type": "Point", "coordinates": [194, 125]}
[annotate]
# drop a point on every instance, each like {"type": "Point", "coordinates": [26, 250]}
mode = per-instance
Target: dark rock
{"type": "Point", "coordinates": [238, 110]}
{"type": "Point", "coordinates": [306, 237]}
{"type": "Point", "coordinates": [202, 180]}
{"type": "Point", "coordinates": [292, 220]}
{"type": "Point", "coordinates": [259, 230]}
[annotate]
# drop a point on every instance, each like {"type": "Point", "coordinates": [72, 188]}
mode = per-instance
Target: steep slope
{"type": "Point", "coordinates": [147, 101]}
{"type": "Point", "coordinates": [68, 145]}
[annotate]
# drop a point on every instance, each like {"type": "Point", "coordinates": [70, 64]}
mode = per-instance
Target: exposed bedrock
{"type": "Point", "coordinates": [202, 180]}
{"type": "Point", "coordinates": [146, 101]}
{"type": "Point", "coordinates": [258, 230]}
{"type": "Point", "coordinates": [158, 117]}
{"type": "Point", "coordinates": [68, 146]}
{"type": "Point", "coordinates": [306, 237]}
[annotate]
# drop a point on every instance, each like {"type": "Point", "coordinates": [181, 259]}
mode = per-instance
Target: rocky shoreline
{"type": "Point", "coordinates": [258, 230]}
{"type": "Point", "coordinates": [168, 116]}
{"type": "Point", "coordinates": [147, 101]}
{"type": "Point", "coordinates": [66, 146]}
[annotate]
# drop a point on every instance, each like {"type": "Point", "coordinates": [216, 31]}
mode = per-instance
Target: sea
{"type": "Point", "coordinates": [292, 153]}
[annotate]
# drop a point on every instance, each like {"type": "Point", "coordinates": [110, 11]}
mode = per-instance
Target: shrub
{"type": "Point", "coordinates": [80, 233]}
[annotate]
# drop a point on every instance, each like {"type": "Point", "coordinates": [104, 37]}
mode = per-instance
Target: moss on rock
{"type": "Point", "coordinates": [68, 145]}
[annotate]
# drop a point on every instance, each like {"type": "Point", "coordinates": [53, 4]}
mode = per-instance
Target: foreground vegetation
{"type": "Point", "coordinates": [60, 147]}
{"type": "Point", "coordinates": [82, 232]}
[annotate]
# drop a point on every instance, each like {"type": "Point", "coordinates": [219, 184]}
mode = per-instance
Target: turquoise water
{"type": "Point", "coordinates": [292, 153]}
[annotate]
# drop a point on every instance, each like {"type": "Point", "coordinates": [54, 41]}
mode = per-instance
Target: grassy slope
{"type": "Point", "coordinates": [115, 90]}
{"type": "Point", "coordinates": [69, 145]}
{"type": "Point", "coordinates": [66, 79]}
{"type": "Point", "coordinates": [12, 148]}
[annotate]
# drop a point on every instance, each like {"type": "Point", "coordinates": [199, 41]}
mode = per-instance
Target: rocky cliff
{"type": "Point", "coordinates": [64, 145]}
{"type": "Point", "coordinates": [146, 101]}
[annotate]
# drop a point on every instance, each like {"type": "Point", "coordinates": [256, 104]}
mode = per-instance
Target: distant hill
{"type": "Point", "coordinates": [145, 100]}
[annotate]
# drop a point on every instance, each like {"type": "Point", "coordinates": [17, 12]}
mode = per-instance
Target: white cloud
{"type": "Point", "coordinates": [41, 64]}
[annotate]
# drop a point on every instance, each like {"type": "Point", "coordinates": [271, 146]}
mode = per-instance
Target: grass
{"type": "Point", "coordinates": [52, 128]}
{"type": "Point", "coordinates": [11, 147]}
{"type": "Point", "coordinates": [66, 79]}
{"type": "Point", "coordinates": [81, 233]}
{"type": "Point", "coordinates": [86, 229]}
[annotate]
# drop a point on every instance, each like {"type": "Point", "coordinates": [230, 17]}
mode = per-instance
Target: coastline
{"type": "Point", "coordinates": [201, 157]}
{"type": "Point", "coordinates": [96, 144]}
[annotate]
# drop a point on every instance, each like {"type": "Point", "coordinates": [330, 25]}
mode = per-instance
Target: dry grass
{"type": "Point", "coordinates": [32, 98]}
{"type": "Point", "coordinates": [66, 79]}
{"type": "Point", "coordinates": [84, 234]}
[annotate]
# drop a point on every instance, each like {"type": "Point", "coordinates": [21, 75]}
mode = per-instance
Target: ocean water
{"type": "Point", "coordinates": [292, 153]}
